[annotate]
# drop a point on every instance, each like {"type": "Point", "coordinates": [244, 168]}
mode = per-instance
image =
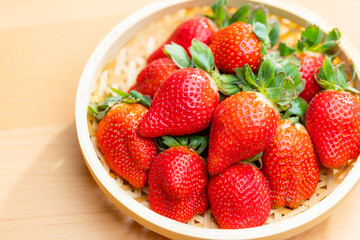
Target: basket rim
{"type": "Point", "coordinates": [159, 223]}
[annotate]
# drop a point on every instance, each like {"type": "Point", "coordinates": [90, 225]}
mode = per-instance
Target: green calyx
{"type": "Point", "coordinates": [312, 40]}
{"type": "Point", "coordinates": [296, 111]}
{"type": "Point", "coordinates": [100, 110]}
{"type": "Point", "coordinates": [202, 58]}
{"type": "Point", "coordinates": [334, 77]}
{"type": "Point", "coordinates": [267, 32]}
{"type": "Point", "coordinates": [279, 81]}
{"type": "Point", "coordinates": [196, 143]}
{"type": "Point", "coordinates": [255, 160]}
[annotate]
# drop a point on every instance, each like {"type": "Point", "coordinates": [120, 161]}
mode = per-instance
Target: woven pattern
{"type": "Point", "coordinates": [121, 73]}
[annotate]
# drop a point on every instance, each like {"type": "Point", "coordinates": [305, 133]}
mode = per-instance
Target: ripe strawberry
{"type": "Point", "coordinates": [239, 197]}
{"type": "Point", "coordinates": [200, 28]}
{"type": "Point", "coordinates": [244, 124]}
{"type": "Point", "coordinates": [153, 75]}
{"type": "Point", "coordinates": [127, 153]}
{"type": "Point", "coordinates": [310, 62]}
{"type": "Point", "coordinates": [236, 45]}
{"type": "Point", "coordinates": [333, 119]}
{"type": "Point", "coordinates": [177, 184]}
{"type": "Point", "coordinates": [183, 105]}
{"type": "Point", "coordinates": [333, 122]}
{"type": "Point", "coordinates": [311, 52]}
{"type": "Point", "coordinates": [290, 165]}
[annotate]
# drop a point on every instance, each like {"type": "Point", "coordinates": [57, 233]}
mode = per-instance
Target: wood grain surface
{"type": "Point", "coordinates": [46, 190]}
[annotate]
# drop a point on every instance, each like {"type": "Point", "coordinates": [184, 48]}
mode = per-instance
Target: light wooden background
{"type": "Point", "coordinates": [46, 191]}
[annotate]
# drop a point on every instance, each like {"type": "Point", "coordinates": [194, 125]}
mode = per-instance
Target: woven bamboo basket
{"type": "Point", "coordinates": [120, 57]}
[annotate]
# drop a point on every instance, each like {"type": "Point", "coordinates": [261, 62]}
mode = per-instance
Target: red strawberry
{"type": "Point", "coordinates": [310, 62]}
{"type": "Point", "coordinates": [236, 45]}
{"type": "Point", "coordinates": [290, 165]}
{"type": "Point", "coordinates": [183, 105]}
{"type": "Point", "coordinates": [333, 118]}
{"type": "Point", "coordinates": [177, 184]}
{"type": "Point", "coordinates": [200, 28]}
{"type": "Point", "coordinates": [239, 197]}
{"type": "Point", "coordinates": [153, 75]}
{"type": "Point", "coordinates": [333, 122]}
{"type": "Point", "coordinates": [127, 153]}
{"type": "Point", "coordinates": [243, 125]}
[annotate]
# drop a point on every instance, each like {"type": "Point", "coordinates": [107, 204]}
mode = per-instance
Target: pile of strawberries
{"type": "Point", "coordinates": [231, 119]}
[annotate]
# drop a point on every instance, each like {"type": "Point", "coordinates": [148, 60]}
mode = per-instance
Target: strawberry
{"type": "Point", "coordinates": [183, 105]}
{"type": "Point", "coordinates": [311, 52]}
{"type": "Point", "coordinates": [127, 153]}
{"type": "Point", "coordinates": [235, 46]}
{"type": "Point", "coordinates": [177, 184]}
{"type": "Point", "coordinates": [244, 124]}
{"type": "Point", "coordinates": [333, 118]}
{"type": "Point", "coordinates": [200, 28]}
{"type": "Point", "coordinates": [243, 37]}
{"type": "Point", "coordinates": [290, 165]}
{"type": "Point", "coordinates": [310, 62]}
{"type": "Point", "coordinates": [239, 197]}
{"type": "Point", "coordinates": [185, 102]}
{"type": "Point", "coordinates": [153, 75]}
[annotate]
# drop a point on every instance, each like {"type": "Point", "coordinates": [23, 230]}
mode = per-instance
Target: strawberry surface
{"type": "Point", "coordinates": [243, 125]}
{"type": "Point", "coordinates": [236, 45]}
{"type": "Point", "coordinates": [200, 28]}
{"type": "Point", "coordinates": [184, 104]}
{"type": "Point", "coordinates": [290, 165]}
{"type": "Point", "coordinates": [153, 75]}
{"type": "Point", "coordinates": [239, 197]}
{"type": "Point", "coordinates": [128, 154]}
{"type": "Point", "coordinates": [333, 122]}
{"type": "Point", "coordinates": [177, 184]}
{"type": "Point", "coordinates": [310, 62]}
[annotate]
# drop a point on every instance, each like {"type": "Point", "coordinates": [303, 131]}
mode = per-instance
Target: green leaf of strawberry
{"type": "Point", "coordinates": [333, 77]}
{"type": "Point", "coordinates": [298, 108]}
{"type": "Point", "coordinates": [100, 110]}
{"type": "Point", "coordinates": [311, 38]}
{"type": "Point", "coordinates": [261, 32]}
{"type": "Point", "coordinates": [285, 50]}
{"type": "Point", "coordinates": [266, 74]}
{"type": "Point", "coordinates": [202, 56]}
{"type": "Point", "coordinates": [241, 14]}
{"type": "Point", "coordinates": [178, 54]}
{"type": "Point", "coordinates": [194, 142]}
{"type": "Point", "coordinates": [279, 81]}
{"type": "Point", "coordinates": [258, 16]}
{"type": "Point", "coordinates": [226, 83]}
{"type": "Point", "coordinates": [274, 33]}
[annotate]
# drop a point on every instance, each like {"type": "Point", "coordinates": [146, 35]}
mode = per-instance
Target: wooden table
{"type": "Point", "coordinates": [46, 190]}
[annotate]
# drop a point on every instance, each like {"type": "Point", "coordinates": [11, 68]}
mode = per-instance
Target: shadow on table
{"type": "Point", "coordinates": [57, 197]}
